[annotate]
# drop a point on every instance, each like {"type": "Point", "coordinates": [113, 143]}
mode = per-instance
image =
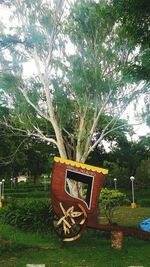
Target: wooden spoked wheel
{"type": "Point", "coordinates": [72, 223]}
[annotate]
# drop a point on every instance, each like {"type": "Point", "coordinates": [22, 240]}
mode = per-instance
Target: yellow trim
{"type": "Point", "coordinates": [78, 164]}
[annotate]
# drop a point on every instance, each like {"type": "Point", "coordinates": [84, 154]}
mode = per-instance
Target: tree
{"type": "Point", "coordinates": [20, 154]}
{"type": "Point", "coordinates": [129, 158]}
{"type": "Point", "coordinates": [74, 93]}
{"type": "Point", "coordinates": [39, 158]}
{"type": "Point", "coordinates": [134, 18]}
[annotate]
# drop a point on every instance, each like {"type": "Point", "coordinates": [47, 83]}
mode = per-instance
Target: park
{"type": "Point", "coordinates": [74, 133]}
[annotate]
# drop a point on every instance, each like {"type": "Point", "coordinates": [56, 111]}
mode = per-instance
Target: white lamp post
{"type": "Point", "coordinates": [44, 183]}
{"type": "Point", "coordinates": [14, 181]}
{"type": "Point", "coordinates": [0, 194]}
{"type": "Point", "coordinates": [115, 181]}
{"type": "Point", "coordinates": [133, 204]}
{"type": "Point", "coordinates": [3, 181]}
{"type": "Point", "coordinates": [11, 181]}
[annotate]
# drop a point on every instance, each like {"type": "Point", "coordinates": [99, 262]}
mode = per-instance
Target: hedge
{"type": "Point", "coordinates": [28, 214]}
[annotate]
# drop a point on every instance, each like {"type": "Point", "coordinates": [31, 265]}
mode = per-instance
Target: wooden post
{"type": "Point", "coordinates": [116, 239]}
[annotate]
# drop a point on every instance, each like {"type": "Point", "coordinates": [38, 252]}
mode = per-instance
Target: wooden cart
{"type": "Point", "coordinates": [72, 214]}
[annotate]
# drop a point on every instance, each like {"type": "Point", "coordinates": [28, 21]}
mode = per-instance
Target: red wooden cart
{"type": "Point", "coordinates": [72, 214]}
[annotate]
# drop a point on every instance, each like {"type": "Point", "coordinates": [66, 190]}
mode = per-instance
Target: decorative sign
{"type": "Point", "coordinates": [73, 212]}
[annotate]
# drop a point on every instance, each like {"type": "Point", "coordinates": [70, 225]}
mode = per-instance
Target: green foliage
{"type": "Point", "coordinates": [19, 153]}
{"type": "Point", "coordinates": [110, 200]}
{"type": "Point", "coordinates": [144, 202]}
{"type": "Point", "coordinates": [95, 77]}
{"type": "Point", "coordinates": [30, 215]}
{"type": "Point", "coordinates": [128, 158]}
{"type": "Point", "coordinates": [134, 15]}
{"type": "Point", "coordinates": [33, 194]}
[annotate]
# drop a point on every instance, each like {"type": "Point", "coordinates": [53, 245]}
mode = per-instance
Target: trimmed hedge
{"type": "Point", "coordinates": [145, 202]}
{"type": "Point", "coordinates": [34, 194]}
{"type": "Point", "coordinates": [24, 188]}
{"type": "Point", "coordinates": [29, 215]}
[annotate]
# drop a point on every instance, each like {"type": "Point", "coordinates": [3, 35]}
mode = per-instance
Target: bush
{"type": "Point", "coordinates": [145, 202]}
{"type": "Point", "coordinates": [34, 194]}
{"type": "Point", "coordinates": [31, 215]}
{"type": "Point", "coordinates": [24, 188]}
{"type": "Point", "coordinates": [110, 200]}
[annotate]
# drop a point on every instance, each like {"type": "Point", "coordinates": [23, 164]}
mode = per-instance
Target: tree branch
{"type": "Point", "coordinates": [44, 137]}
{"type": "Point", "coordinates": [94, 125]}
{"type": "Point", "coordinates": [39, 112]}
{"type": "Point", "coordinates": [12, 156]}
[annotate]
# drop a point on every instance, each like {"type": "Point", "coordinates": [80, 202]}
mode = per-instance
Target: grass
{"type": "Point", "coordinates": [25, 248]}
{"type": "Point", "coordinates": [126, 216]}
{"type": "Point", "coordinates": [93, 249]}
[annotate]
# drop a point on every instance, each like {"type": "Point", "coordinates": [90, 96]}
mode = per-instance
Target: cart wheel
{"type": "Point", "coordinates": [71, 225]}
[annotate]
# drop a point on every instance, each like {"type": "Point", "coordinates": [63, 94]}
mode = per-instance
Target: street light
{"type": "Point", "coordinates": [0, 194]}
{"type": "Point", "coordinates": [11, 181]}
{"type": "Point", "coordinates": [14, 181]}
{"type": "Point", "coordinates": [3, 181]}
{"type": "Point", "coordinates": [115, 181]}
{"type": "Point", "coordinates": [133, 204]}
{"type": "Point", "coordinates": [44, 183]}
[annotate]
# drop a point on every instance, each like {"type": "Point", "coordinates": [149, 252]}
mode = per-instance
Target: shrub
{"type": "Point", "coordinates": [145, 202]}
{"type": "Point", "coordinates": [110, 200]}
{"type": "Point", "coordinates": [31, 215]}
{"type": "Point", "coordinates": [34, 194]}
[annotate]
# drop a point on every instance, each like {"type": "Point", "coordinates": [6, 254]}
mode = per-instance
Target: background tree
{"type": "Point", "coordinates": [134, 18]}
{"type": "Point", "coordinates": [39, 158]}
{"type": "Point", "coordinates": [129, 158]}
{"type": "Point", "coordinates": [20, 154]}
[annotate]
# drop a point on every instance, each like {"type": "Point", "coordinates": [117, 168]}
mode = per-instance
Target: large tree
{"type": "Point", "coordinates": [76, 92]}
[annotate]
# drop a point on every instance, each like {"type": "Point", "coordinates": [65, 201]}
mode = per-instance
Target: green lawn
{"type": "Point", "coordinates": [128, 217]}
{"type": "Point", "coordinates": [93, 249]}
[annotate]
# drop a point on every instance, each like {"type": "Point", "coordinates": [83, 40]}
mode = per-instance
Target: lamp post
{"type": "Point", "coordinates": [133, 204]}
{"type": "Point", "coordinates": [115, 181]}
{"type": "Point", "coordinates": [44, 183]}
{"type": "Point", "coordinates": [3, 181]}
{"type": "Point", "coordinates": [14, 181]}
{"type": "Point", "coordinates": [11, 181]}
{"type": "Point", "coordinates": [0, 194]}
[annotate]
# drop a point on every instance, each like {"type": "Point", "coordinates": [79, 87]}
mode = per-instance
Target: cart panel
{"type": "Point", "coordinates": [93, 176]}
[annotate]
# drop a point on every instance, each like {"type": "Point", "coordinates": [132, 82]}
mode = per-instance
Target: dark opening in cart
{"type": "Point", "coordinates": [87, 185]}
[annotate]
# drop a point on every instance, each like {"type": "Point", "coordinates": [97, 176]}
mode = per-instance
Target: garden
{"type": "Point", "coordinates": [74, 91]}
